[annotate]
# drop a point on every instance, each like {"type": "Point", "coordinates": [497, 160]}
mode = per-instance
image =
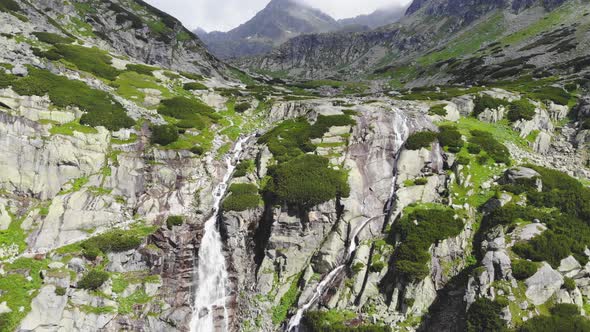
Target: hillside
{"type": "Point", "coordinates": [148, 186]}
{"type": "Point", "coordinates": [437, 44]}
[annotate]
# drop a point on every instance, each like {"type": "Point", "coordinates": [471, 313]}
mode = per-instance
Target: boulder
{"type": "Point", "coordinates": [4, 309]}
{"type": "Point", "coordinates": [46, 311]}
{"type": "Point", "coordinates": [517, 173]}
{"type": "Point", "coordinates": [542, 143]}
{"type": "Point", "coordinates": [465, 104]}
{"type": "Point", "coordinates": [543, 284]}
{"type": "Point", "coordinates": [569, 266]}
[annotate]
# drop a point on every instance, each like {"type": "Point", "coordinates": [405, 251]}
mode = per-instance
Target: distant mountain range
{"type": "Point", "coordinates": [282, 20]}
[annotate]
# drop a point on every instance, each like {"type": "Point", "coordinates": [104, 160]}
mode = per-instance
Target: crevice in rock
{"type": "Point", "coordinates": [357, 300]}
{"type": "Point", "coordinates": [262, 234]}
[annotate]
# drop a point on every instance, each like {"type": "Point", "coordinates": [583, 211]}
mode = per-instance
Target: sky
{"type": "Point", "coordinates": [224, 15]}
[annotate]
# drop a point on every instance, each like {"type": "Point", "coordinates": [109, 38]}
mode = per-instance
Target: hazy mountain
{"type": "Point", "coordinates": [278, 22]}
{"type": "Point", "coordinates": [378, 18]}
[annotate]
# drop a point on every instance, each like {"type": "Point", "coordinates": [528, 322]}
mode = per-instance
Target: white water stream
{"type": "Point", "coordinates": [212, 277]}
{"type": "Point", "coordinates": [401, 134]}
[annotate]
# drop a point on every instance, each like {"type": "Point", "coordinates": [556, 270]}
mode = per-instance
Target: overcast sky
{"type": "Point", "coordinates": [225, 15]}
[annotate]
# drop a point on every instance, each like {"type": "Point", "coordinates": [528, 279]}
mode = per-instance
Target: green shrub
{"type": "Point", "coordinates": [114, 241]}
{"type": "Point", "coordinates": [451, 138]}
{"type": "Point", "coordinates": [192, 76]}
{"type": "Point", "coordinates": [93, 60]}
{"type": "Point", "coordinates": [463, 160]}
{"type": "Point", "coordinates": [174, 221]}
{"type": "Point", "coordinates": [338, 321]}
{"type": "Point", "coordinates": [194, 86]}
{"type": "Point", "coordinates": [91, 252]}
{"type": "Point", "coordinates": [484, 102]}
{"type": "Point", "coordinates": [357, 267]}
{"type": "Point", "coordinates": [93, 280]}
{"type": "Point", "coordinates": [164, 134]}
{"type": "Point", "coordinates": [473, 148]}
{"type": "Point", "coordinates": [377, 266]}
{"type": "Point", "coordinates": [551, 93]}
{"type": "Point", "coordinates": [243, 168]}
{"type": "Point", "coordinates": [60, 291]}
{"type": "Point", "coordinates": [324, 123]}
{"type": "Point", "coordinates": [522, 269]}
{"type": "Point", "coordinates": [197, 150]}
{"type": "Point", "coordinates": [421, 181]}
{"type": "Point", "coordinates": [101, 109]}
{"type": "Point", "coordinates": [484, 315]}
{"type": "Point", "coordinates": [292, 138]}
{"type": "Point", "coordinates": [289, 139]}
{"type": "Point", "coordinates": [6, 80]}
{"type": "Point", "coordinates": [307, 181]}
{"type": "Point", "coordinates": [52, 38]}
{"type": "Point", "coordinates": [417, 231]}
{"type": "Point", "coordinates": [570, 285]}
{"type": "Point", "coordinates": [193, 113]}
{"type": "Point", "coordinates": [419, 140]}
{"type": "Point", "coordinates": [585, 124]}
{"type": "Point", "coordinates": [9, 5]}
{"type": "Point", "coordinates": [438, 110]}
{"type": "Point", "coordinates": [491, 146]}
{"type": "Point", "coordinates": [521, 110]}
{"type": "Point", "coordinates": [571, 87]}
{"type": "Point", "coordinates": [563, 319]}
{"type": "Point", "coordinates": [565, 309]}
{"type": "Point", "coordinates": [242, 107]}
{"type": "Point", "coordinates": [141, 69]}
{"type": "Point", "coordinates": [242, 197]}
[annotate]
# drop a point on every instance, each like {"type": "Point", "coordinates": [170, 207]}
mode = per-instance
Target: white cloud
{"type": "Point", "coordinates": [224, 15]}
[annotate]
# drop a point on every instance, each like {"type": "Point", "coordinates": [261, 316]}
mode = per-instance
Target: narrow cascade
{"type": "Point", "coordinates": [211, 289]}
{"type": "Point", "coordinates": [401, 135]}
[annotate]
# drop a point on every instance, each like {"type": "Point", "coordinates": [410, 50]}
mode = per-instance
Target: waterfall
{"type": "Point", "coordinates": [212, 277]}
{"type": "Point", "coordinates": [401, 135]}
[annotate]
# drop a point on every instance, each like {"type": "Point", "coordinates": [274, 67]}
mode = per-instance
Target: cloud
{"type": "Point", "coordinates": [224, 15]}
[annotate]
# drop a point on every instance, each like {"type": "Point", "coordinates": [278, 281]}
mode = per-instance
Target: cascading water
{"type": "Point", "coordinates": [401, 135]}
{"type": "Point", "coordinates": [212, 278]}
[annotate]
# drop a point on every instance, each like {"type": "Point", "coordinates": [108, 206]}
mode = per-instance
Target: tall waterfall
{"type": "Point", "coordinates": [212, 278]}
{"type": "Point", "coordinates": [402, 130]}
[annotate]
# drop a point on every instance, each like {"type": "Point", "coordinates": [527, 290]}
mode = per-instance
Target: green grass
{"type": "Point", "coordinates": [468, 42]}
{"type": "Point", "coordinates": [14, 235]}
{"type": "Point", "coordinates": [101, 109]}
{"type": "Point", "coordinates": [69, 128]}
{"type": "Point", "coordinates": [242, 197]}
{"type": "Point", "coordinates": [92, 60]}
{"type": "Point", "coordinates": [141, 69]}
{"type": "Point", "coordinates": [279, 313]}
{"type": "Point", "coordinates": [129, 85]}
{"type": "Point", "coordinates": [126, 304]}
{"type": "Point", "coordinates": [17, 291]}
{"type": "Point", "coordinates": [552, 20]}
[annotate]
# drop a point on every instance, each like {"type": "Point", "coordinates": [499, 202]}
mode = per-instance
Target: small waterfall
{"type": "Point", "coordinates": [401, 135]}
{"type": "Point", "coordinates": [210, 294]}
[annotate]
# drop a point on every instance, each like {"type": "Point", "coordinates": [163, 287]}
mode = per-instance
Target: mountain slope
{"type": "Point", "coordinates": [140, 31]}
{"type": "Point", "coordinates": [439, 31]}
{"type": "Point", "coordinates": [279, 21]}
{"type": "Point", "coordinates": [378, 18]}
